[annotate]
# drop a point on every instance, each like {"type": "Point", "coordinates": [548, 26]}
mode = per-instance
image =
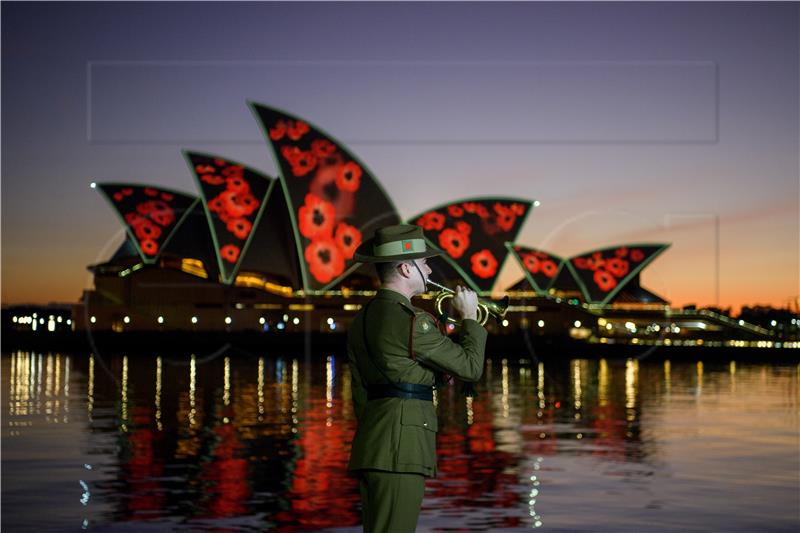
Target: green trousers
{"type": "Point", "coordinates": [390, 501]}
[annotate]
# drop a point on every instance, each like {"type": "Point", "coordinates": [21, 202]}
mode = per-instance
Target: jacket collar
{"type": "Point", "coordinates": [392, 295]}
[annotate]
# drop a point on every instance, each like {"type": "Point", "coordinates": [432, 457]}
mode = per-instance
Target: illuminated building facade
{"type": "Point", "coordinates": [257, 253]}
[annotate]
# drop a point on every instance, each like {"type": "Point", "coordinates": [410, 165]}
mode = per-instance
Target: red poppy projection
{"type": "Point", "coordinates": [602, 273]}
{"type": "Point", "coordinates": [234, 196]}
{"type": "Point", "coordinates": [541, 268]}
{"type": "Point", "coordinates": [473, 232]}
{"type": "Point", "coordinates": [335, 201]}
{"type": "Point", "coordinates": [151, 214]}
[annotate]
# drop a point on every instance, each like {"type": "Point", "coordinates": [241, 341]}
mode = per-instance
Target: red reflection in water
{"type": "Point", "coordinates": [322, 493]}
{"type": "Point", "coordinates": [471, 468]}
{"type": "Point", "coordinates": [143, 468]}
{"type": "Point", "coordinates": [227, 473]}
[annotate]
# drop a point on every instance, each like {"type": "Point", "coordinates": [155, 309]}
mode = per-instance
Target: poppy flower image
{"type": "Point", "coordinates": [622, 251]}
{"type": "Point", "coordinates": [233, 170]}
{"type": "Point", "coordinates": [349, 177]}
{"type": "Point", "coordinates": [517, 208]}
{"type": "Point", "coordinates": [605, 281]}
{"type": "Point", "coordinates": [127, 191]}
{"type": "Point", "coordinates": [158, 211]}
{"type": "Point", "coordinates": [147, 230]}
{"type": "Point", "coordinates": [277, 132]}
{"type": "Point", "coordinates": [617, 266]}
{"type": "Point", "coordinates": [118, 196]}
{"type": "Point", "coordinates": [316, 218]}
{"type": "Point", "coordinates": [484, 264]}
{"type": "Point", "coordinates": [532, 263]}
{"type": "Point", "coordinates": [240, 227]}
{"type": "Point", "coordinates": [455, 211]}
{"type": "Point", "coordinates": [238, 204]}
{"type": "Point", "coordinates": [325, 260]}
{"type": "Point", "coordinates": [581, 262]}
{"type": "Point", "coordinates": [205, 169]}
{"type": "Point", "coordinates": [150, 191]}
{"type": "Point", "coordinates": [637, 255]}
{"type": "Point", "coordinates": [431, 221]}
{"type": "Point", "coordinates": [149, 246]}
{"type": "Point", "coordinates": [596, 261]}
{"type": "Point", "coordinates": [237, 184]}
{"type": "Point", "coordinates": [291, 153]}
{"type": "Point", "coordinates": [225, 217]}
{"type": "Point", "coordinates": [212, 179]}
{"type": "Point", "coordinates": [215, 205]}
{"type": "Point", "coordinates": [463, 227]}
{"type": "Point", "coordinates": [505, 218]}
{"type": "Point", "coordinates": [220, 162]}
{"type": "Point", "coordinates": [453, 242]}
{"type": "Point", "coordinates": [348, 238]}
{"type": "Point", "coordinates": [167, 197]}
{"type": "Point", "coordinates": [476, 209]}
{"type": "Point", "coordinates": [296, 129]}
{"type": "Point", "coordinates": [134, 219]}
{"type": "Point", "coordinates": [303, 163]}
{"type": "Point", "coordinates": [230, 253]}
{"type": "Point", "coordinates": [323, 185]}
{"type": "Point", "coordinates": [322, 148]}
{"type": "Point", "coordinates": [549, 268]}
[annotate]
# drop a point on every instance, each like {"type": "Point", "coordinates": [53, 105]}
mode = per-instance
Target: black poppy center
{"type": "Point", "coordinates": [324, 256]}
{"type": "Point", "coordinates": [318, 218]}
{"type": "Point", "coordinates": [484, 262]}
{"type": "Point", "coordinates": [348, 240]}
{"type": "Point", "coordinates": [331, 191]}
{"type": "Point", "coordinates": [456, 243]}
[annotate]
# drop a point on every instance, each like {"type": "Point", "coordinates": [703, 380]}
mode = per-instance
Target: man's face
{"type": "Point", "coordinates": [421, 284]}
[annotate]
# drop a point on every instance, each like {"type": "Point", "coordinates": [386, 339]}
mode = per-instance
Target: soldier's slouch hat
{"type": "Point", "coordinates": [395, 243]}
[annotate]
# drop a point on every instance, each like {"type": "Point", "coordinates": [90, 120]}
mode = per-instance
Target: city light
{"type": "Point", "coordinates": [262, 320]}
{"type": "Point", "coordinates": [160, 319]}
{"type": "Point", "coordinates": [127, 319]}
{"type": "Point", "coordinates": [577, 323]}
{"type": "Point", "coordinates": [541, 323]}
{"type": "Point", "coordinates": [194, 320]}
{"type": "Point", "coordinates": [228, 320]}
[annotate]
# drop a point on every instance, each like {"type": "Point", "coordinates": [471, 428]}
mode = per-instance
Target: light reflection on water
{"type": "Point", "coordinates": [247, 443]}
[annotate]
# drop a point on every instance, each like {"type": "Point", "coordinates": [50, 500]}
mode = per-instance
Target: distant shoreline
{"type": "Point", "coordinates": [510, 346]}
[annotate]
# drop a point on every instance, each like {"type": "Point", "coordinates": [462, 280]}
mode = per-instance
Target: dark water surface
{"type": "Point", "coordinates": [237, 442]}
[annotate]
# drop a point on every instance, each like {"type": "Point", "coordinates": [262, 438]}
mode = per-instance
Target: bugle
{"type": "Point", "coordinates": [486, 307]}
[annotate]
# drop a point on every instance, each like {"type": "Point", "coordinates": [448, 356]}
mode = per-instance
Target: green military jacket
{"type": "Point", "coordinates": [406, 345]}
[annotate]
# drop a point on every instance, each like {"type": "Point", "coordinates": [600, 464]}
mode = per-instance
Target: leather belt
{"type": "Point", "coordinates": [406, 391]}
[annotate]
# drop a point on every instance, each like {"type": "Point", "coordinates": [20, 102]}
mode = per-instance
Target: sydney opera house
{"type": "Point", "coordinates": [254, 252]}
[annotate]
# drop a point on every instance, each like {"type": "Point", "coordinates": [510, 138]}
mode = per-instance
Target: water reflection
{"type": "Point", "coordinates": [248, 443]}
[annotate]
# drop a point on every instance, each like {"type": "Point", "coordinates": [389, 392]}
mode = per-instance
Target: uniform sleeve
{"type": "Point", "coordinates": [356, 384]}
{"type": "Point", "coordinates": [434, 349]}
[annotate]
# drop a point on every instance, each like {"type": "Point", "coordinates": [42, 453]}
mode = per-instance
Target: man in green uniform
{"type": "Point", "coordinates": [396, 351]}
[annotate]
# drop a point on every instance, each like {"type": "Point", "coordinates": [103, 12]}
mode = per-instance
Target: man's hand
{"type": "Point", "coordinates": [465, 303]}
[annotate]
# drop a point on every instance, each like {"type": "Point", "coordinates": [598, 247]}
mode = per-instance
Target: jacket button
{"type": "Point", "coordinates": [425, 424]}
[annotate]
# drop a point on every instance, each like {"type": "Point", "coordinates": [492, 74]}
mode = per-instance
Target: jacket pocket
{"type": "Point", "coordinates": [419, 413]}
{"type": "Point", "coordinates": [418, 426]}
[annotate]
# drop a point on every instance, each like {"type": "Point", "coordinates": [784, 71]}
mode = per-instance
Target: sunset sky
{"type": "Point", "coordinates": [629, 122]}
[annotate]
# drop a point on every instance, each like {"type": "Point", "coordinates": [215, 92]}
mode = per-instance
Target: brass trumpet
{"type": "Point", "coordinates": [486, 308]}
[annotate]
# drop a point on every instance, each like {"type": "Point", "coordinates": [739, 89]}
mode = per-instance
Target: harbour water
{"type": "Point", "coordinates": [235, 441]}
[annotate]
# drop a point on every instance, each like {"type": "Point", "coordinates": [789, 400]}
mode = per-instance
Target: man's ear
{"type": "Point", "coordinates": [405, 270]}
